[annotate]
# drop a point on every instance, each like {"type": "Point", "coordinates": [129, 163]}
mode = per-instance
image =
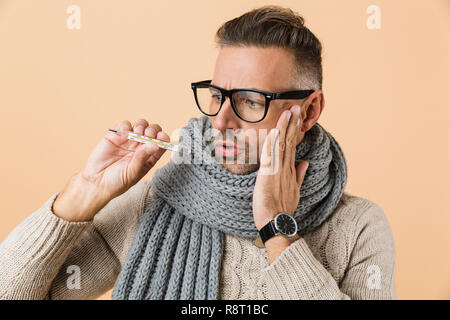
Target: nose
{"type": "Point", "coordinates": [226, 118]}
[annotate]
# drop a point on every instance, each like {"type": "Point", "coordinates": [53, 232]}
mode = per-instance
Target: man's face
{"type": "Point", "coordinates": [267, 69]}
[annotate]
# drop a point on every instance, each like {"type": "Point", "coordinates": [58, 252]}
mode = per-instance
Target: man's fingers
{"type": "Point", "coordinates": [124, 125]}
{"type": "Point", "coordinates": [152, 130]}
{"type": "Point", "coordinates": [301, 172]}
{"type": "Point", "coordinates": [291, 137]}
{"type": "Point", "coordinates": [282, 124]}
{"type": "Point", "coordinates": [142, 127]}
{"type": "Point", "coordinates": [270, 158]}
{"type": "Point", "coordinates": [153, 149]}
{"type": "Point", "coordinates": [145, 151]}
{"type": "Point", "coordinates": [148, 154]}
{"type": "Point", "coordinates": [267, 150]}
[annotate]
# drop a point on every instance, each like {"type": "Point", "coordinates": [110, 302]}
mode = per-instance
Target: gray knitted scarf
{"type": "Point", "coordinates": [177, 250]}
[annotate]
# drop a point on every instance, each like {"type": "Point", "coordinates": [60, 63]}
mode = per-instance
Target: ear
{"type": "Point", "coordinates": [312, 109]}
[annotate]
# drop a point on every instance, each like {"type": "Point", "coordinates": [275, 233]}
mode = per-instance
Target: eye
{"type": "Point", "coordinates": [254, 104]}
{"type": "Point", "coordinates": [217, 97]}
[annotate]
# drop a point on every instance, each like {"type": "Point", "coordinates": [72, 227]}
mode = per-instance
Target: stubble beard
{"type": "Point", "coordinates": [239, 167]}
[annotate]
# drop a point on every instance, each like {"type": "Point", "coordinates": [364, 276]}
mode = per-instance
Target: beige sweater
{"type": "Point", "coordinates": [351, 256]}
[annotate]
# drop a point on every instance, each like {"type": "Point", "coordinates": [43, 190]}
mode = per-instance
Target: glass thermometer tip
{"type": "Point", "coordinates": [143, 139]}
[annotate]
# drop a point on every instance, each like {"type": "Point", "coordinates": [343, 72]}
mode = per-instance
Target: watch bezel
{"type": "Point", "coordinates": [278, 230]}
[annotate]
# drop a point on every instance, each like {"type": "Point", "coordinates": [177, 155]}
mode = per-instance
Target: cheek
{"type": "Point", "coordinates": [259, 136]}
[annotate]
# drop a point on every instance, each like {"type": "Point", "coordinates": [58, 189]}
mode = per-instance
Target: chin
{"type": "Point", "coordinates": [240, 169]}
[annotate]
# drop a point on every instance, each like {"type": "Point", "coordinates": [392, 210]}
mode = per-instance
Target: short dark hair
{"type": "Point", "coordinates": [280, 27]}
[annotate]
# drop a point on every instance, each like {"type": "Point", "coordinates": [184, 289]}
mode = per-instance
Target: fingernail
{"type": "Point", "coordinates": [298, 122]}
{"type": "Point", "coordinates": [139, 128]}
{"type": "Point", "coordinates": [288, 116]}
{"type": "Point", "coordinates": [297, 110]}
{"type": "Point", "coordinates": [152, 131]}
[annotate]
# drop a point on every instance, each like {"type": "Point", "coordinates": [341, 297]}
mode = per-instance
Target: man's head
{"type": "Point", "coordinates": [267, 49]}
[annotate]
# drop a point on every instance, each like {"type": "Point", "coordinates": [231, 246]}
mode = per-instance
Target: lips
{"type": "Point", "coordinates": [227, 149]}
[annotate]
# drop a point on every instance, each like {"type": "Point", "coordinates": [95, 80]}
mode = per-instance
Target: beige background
{"type": "Point", "coordinates": [385, 93]}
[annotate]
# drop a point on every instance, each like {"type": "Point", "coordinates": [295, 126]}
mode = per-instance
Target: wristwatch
{"type": "Point", "coordinates": [283, 223]}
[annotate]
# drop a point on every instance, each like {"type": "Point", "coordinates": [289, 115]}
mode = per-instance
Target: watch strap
{"type": "Point", "coordinates": [267, 232]}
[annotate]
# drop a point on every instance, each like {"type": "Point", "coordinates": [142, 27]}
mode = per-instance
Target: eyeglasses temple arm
{"type": "Point", "coordinates": [299, 94]}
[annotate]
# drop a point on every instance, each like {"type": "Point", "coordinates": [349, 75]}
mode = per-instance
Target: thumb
{"type": "Point", "coordinates": [301, 171]}
{"type": "Point", "coordinates": [141, 156]}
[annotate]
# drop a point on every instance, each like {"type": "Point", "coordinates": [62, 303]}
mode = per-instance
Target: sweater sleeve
{"type": "Point", "coordinates": [46, 257]}
{"type": "Point", "coordinates": [369, 273]}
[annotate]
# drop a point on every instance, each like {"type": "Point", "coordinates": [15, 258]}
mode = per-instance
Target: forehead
{"type": "Point", "coordinates": [269, 69]}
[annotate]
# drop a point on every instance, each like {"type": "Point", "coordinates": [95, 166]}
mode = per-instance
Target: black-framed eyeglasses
{"type": "Point", "coordinates": [248, 104]}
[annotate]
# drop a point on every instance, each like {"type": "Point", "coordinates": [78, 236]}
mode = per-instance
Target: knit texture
{"type": "Point", "coordinates": [177, 251]}
{"type": "Point", "coordinates": [335, 261]}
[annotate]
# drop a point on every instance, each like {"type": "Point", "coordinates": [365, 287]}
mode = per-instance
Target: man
{"type": "Point", "coordinates": [224, 228]}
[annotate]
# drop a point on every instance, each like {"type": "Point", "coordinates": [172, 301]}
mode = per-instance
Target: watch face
{"type": "Point", "coordinates": [286, 224]}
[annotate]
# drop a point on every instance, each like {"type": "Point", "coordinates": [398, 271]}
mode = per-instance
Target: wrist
{"type": "Point", "coordinates": [281, 240]}
{"type": "Point", "coordinates": [79, 200]}
{"type": "Point", "coordinates": [277, 244]}
{"type": "Point", "coordinates": [263, 218]}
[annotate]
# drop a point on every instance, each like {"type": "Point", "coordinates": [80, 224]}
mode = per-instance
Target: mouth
{"type": "Point", "coordinates": [226, 149]}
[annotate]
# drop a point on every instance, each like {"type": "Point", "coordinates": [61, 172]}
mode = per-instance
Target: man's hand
{"type": "Point", "coordinates": [279, 190]}
{"type": "Point", "coordinates": [114, 166]}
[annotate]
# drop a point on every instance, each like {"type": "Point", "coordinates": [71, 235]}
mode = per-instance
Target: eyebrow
{"type": "Point", "coordinates": [252, 88]}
